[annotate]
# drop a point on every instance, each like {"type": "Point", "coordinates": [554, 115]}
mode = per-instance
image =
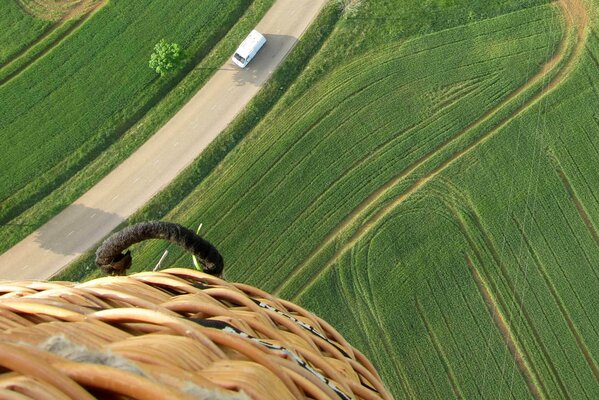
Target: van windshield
{"type": "Point", "coordinates": [239, 58]}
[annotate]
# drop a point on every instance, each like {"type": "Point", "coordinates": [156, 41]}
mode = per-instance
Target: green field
{"type": "Point", "coordinates": [17, 30]}
{"type": "Point", "coordinates": [82, 98]}
{"type": "Point", "coordinates": [433, 196]}
{"type": "Point", "coordinates": [82, 94]}
{"type": "Point", "coordinates": [32, 36]}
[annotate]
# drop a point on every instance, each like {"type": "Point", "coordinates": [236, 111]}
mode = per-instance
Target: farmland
{"type": "Point", "coordinates": [84, 85]}
{"type": "Point", "coordinates": [19, 29]}
{"type": "Point", "coordinates": [432, 196]}
{"type": "Point", "coordinates": [32, 29]}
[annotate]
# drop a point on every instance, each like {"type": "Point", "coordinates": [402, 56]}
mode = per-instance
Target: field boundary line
{"type": "Point", "coordinates": [530, 378]}
{"type": "Point", "coordinates": [561, 55]}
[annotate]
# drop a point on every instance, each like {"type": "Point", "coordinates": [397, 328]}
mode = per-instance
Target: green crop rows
{"type": "Point", "coordinates": [434, 196]}
{"type": "Point", "coordinates": [17, 30]}
{"type": "Point", "coordinates": [82, 98]}
{"type": "Point", "coordinates": [81, 95]}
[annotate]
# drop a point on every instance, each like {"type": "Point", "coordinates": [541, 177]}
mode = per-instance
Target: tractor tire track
{"type": "Point", "coordinates": [490, 246]}
{"type": "Point", "coordinates": [515, 297]}
{"type": "Point", "coordinates": [561, 269]}
{"type": "Point", "coordinates": [575, 19]}
{"type": "Point", "coordinates": [580, 209]}
{"type": "Point", "coordinates": [580, 343]}
{"type": "Point", "coordinates": [58, 40]}
{"type": "Point", "coordinates": [518, 353]}
{"type": "Point", "coordinates": [440, 353]}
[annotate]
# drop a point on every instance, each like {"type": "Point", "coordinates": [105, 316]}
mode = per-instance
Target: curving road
{"type": "Point", "coordinates": [129, 186]}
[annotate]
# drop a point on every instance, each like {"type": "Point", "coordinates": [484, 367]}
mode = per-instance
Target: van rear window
{"type": "Point", "coordinates": [239, 58]}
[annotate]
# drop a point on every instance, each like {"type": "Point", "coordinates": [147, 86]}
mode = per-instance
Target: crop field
{"type": "Point", "coordinates": [433, 196]}
{"type": "Point", "coordinates": [76, 89]}
{"type": "Point", "coordinates": [32, 29]}
{"type": "Point", "coordinates": [17, 30]}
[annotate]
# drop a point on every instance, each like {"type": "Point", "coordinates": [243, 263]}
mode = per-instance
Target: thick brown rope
{"type": "Point", "coordinates": [111, 259]}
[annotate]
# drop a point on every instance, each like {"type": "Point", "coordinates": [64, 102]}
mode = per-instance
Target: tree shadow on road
{"type": "Point", "coordinates": [75, 229]}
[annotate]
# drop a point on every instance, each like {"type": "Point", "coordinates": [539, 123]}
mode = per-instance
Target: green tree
{"type": "Point", "coordinates": [166, 57]}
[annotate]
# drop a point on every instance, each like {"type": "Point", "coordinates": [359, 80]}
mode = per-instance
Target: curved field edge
{"type": "Point", "coordinates": [56, 10]}
{"type": "Point", "coordinates": [77, 176]}
{"type": "Point", "coordinates": [282, 79]}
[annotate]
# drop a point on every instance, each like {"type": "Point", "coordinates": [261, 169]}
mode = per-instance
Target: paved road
{"type": "Point", "coordinates": [127, 188]}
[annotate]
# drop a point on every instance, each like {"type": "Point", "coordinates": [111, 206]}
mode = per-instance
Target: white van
{"type": "Point", "coordinates": [248, 48]}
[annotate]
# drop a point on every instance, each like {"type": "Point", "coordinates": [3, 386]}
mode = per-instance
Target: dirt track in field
{"type": "Point", "coordinates": [575, 27]}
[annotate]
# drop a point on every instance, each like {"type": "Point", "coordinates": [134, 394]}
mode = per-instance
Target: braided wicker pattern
{"type": "Point", "coordinates": [173, 334]}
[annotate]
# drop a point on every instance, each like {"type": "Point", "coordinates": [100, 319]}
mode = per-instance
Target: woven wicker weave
{"type": "Point", "coordinates": [178, 333]}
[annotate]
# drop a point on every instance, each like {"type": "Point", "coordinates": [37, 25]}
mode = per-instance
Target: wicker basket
{"type": "Point", "coordinates": [178, 333]}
